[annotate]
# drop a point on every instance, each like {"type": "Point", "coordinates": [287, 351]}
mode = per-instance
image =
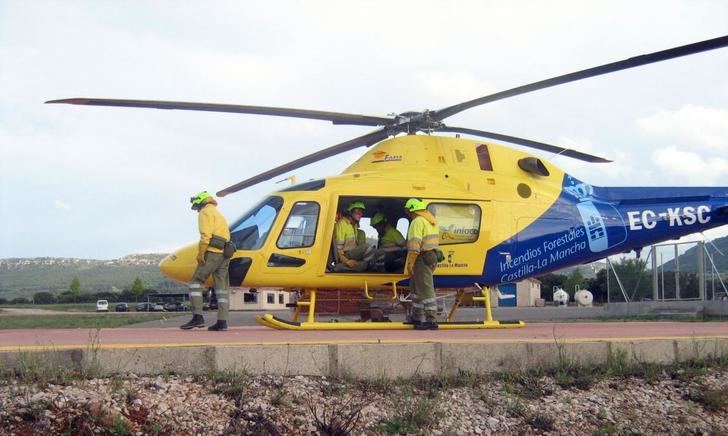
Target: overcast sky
{"type": "Point", "coordinates": [95, 182]}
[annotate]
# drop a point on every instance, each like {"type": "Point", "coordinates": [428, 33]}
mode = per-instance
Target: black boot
{"type": "Point", "coordinates": [219, 326]}
{"type": "Point", "coordinates": [431, 325]}
{"type": "Point", "coordinates": [419, 325]}
{"type": "Point", "coordinates": [196, 321]}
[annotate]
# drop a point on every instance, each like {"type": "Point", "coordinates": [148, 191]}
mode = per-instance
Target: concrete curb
{"type": "Point", "coordinates": [363, 360]}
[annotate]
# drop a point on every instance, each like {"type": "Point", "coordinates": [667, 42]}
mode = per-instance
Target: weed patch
{"type": "Point", "coordinates": [336, 419]}
{"type": "Point", "coordinates": [605, 430]}
{"type": "Point", "coordinates": [278, 399]}
{"type": "Point", "coordinates": [712, 400]}
{"type": "Point", "coordinates": [230, 384]}
{"type": "Point", "coordinates": [541, 421]}
{"type": "Point", "coordinates": [517, 409]}
{"type": "Point", "coordinates": [44, 368]}
{"type": "Point", "coordinates": [579, 377]}
{"type": "Point", "coordinates": [120, 427]}
{"type": "Point", "coordinates": [421, 418]}
{"type": "Point", "coordinates": [526, 385]}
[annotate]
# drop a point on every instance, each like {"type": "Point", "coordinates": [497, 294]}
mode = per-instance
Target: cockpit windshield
{"type": "Point", "coordinates": [251, 230]}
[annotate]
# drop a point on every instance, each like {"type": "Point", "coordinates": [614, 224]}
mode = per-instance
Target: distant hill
{"type": "Point", "coordinates": [689, 259]}
{"type": "Point", "coordinates": [25, 276]}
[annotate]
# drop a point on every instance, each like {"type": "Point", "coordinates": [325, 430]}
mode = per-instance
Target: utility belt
{"type": "Point", "coordinates": [228, 247]}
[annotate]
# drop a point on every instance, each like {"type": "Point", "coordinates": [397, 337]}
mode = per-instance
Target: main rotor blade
{"type": "Point", "coordinates": [528, 143]}
{"type": "Point", "coordinates": [366, 140]}
{"type": "Point", "coordinates": [334, 117]}
{"type": "Point", "coordinates": [685, 50]}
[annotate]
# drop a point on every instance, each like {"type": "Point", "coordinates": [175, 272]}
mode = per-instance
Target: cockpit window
{"type": "Point", "coordinates": [484, 157]}
{"type": "Point", "coordinates": [251, 230]}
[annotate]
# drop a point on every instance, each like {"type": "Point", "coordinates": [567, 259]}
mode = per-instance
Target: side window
{"type": "Point", "coordinates": [300, 229]}
{"type": "Point", "coordinates": [459, 223]}
{"type": "Point", "coordinates": [484, 157]}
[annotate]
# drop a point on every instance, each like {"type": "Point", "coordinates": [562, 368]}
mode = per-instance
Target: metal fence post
{"type": "Point", "coordinates": [655, 284]}
{"type": "Point", "coordinates": [701, 270]}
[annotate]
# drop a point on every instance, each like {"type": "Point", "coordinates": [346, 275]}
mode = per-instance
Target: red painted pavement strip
{"type": "Point", "coordinates": [262, 335]}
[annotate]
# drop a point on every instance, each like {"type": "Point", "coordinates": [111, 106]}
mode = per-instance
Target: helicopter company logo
{"type": "Point", "coordinates": [383, 156]}
{"type": "Point", "coordinates": [453, 234]}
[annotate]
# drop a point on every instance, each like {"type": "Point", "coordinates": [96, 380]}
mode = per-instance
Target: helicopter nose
{"type": "Point", "coordinates": [181, 264]}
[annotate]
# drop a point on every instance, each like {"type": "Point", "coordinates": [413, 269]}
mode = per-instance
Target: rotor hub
{"type": "Point", "coordinates": [413, 122]}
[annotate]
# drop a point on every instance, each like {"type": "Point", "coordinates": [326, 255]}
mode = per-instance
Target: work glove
{"type": "Point", "coordinates": [411, 258]}
{"type": "Point", "coordinates": [201, 250]}
{"type": "Point", "coordinates": [351, 263]}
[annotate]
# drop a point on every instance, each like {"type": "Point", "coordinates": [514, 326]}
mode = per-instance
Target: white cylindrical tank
{"type": "Point", "coordinates": [561, 298]}
{"type": "Point", "coordinates": [583, 298]}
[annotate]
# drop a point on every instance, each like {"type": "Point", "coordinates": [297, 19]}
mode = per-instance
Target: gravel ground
{"type": "Point", "coordinates": [672, 403]}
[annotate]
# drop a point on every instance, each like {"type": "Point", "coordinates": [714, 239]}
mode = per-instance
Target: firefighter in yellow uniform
{"type": "Point", "coordinates": [392, 244]}
{"type": "Point", "coordinates": [352, 252]}
{"type": "Point", "coordinates": [422, 243]}
{"type": "Point", "coordinates": [214, 235]}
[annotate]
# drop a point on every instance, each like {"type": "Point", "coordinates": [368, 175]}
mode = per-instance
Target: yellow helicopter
{"type": "Point", "coordinates": [504, 215]}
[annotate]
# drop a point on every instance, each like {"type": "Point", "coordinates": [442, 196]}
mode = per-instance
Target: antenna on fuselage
{"type": "Point", "coordinates": [291, 178]}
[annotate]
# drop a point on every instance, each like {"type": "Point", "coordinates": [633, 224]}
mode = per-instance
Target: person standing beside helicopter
{"type": "Point", "coordinates": [351, 251]}
{"type": "Point", "coordinates": [213, 259]}
{"type": "Point", "coordinates": [423, 239]}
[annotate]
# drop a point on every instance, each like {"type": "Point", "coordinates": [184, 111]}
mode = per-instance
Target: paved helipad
{"type": "Point", "coordinates": [27, 339]}
{"type": "Point", "coordinates": [365, 354]}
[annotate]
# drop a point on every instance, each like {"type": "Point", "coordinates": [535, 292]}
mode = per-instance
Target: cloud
{"type": "Point", "coordinates": [448, 87]}
{"type": "Point", "coordinates": [689, 167]}
{"type": "Point", "coordinates": [615, 173]}
{"type": "Point", "coordinates": [60, 204]}
{"type": "Point", "coordinates": [700, 126]}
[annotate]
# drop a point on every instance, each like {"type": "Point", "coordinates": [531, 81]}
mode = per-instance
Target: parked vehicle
{"type": "Point", "coordinates": [102, 306]}
{"type": "Point", "coordinates": [122, 307]}
{"type": "Point", "coordinates": [175, 306]}
{"type": "Point", "coordinates": [149, 307]}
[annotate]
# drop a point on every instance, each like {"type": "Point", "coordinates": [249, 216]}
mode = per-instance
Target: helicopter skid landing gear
{"type": "Point", "coordinates": [273, 322]}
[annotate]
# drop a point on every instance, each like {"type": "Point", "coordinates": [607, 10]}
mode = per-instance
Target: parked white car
{"type": "Point", "coordinates": [102, 306]}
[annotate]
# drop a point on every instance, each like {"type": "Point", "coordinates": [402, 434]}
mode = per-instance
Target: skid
{"type": "Point", "coordinates": [271, 321]}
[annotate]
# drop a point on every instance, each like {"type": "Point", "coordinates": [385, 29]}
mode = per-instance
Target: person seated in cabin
{"type": "Point", "coordinates": [352, 253]}
{"type": "Point", "coordinates": [392, 245]}
{"type": "Point", "coordinates": [361, 237]}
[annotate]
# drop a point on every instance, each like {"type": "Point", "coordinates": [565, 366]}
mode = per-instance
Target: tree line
{"type": "Point", "coordinates": [73, 294]}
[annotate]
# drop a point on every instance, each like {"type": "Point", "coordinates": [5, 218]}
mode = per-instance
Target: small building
{"type": "Point", "coordinates": [259, 299]}
{"type": "Point", "coordinates": [521, 294]}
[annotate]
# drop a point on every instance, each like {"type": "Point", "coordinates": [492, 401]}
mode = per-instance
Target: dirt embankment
{"type": "Point", "coordinates": [680, 401]}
